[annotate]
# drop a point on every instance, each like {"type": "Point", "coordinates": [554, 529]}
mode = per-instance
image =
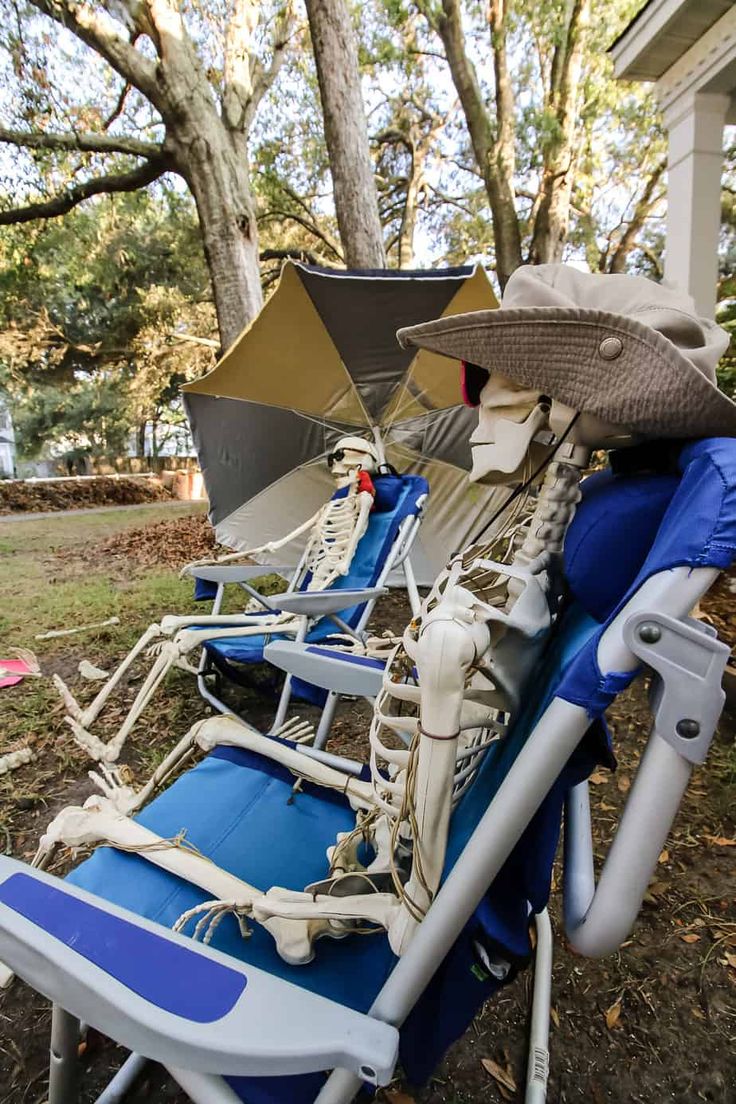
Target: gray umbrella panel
{"type": "Point", "coordinates": [362, 315]}
{"type": "Point", "coordinates": [325, 344]}
{"type": "Point", "coordinates": [245, 447]}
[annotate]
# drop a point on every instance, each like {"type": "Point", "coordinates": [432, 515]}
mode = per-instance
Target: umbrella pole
{"type": "Point", "coordinates": [378, 438]}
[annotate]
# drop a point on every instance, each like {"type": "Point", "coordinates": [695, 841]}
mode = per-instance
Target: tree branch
{"type": "Point", "coordinates": [303, 255]}
{"type": "Point", "coordinates": [86, 143]}
{"type": "Point", "coordinates": [238, 83]}
{"type": "Point", "coordinates": [308, 225]}
{"type": "Point", "coordinates": [646, 202]}
{"type": "Point", "coordinates": [95, 31]}
{"type": "Point", "coordinates": [118, 108]}
{"type": "Point", "coordinates": [443, 198]}
{"type": "Point", "coordinates": [262, 76]}
{"type": "Point", "coordinates": [123, 182]}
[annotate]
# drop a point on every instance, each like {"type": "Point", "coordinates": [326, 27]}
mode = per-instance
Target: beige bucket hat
{"type": "Point", "coordinates": [624, 348]}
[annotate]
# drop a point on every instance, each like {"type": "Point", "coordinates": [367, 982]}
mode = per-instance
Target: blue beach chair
{"type": "Point", "coordinates": [345, 608]}
{"type": "Point", "coordinates": [233, 1022]}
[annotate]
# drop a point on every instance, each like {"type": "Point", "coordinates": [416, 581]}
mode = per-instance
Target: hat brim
{"type": "Point", "coordinates": [649, 386]}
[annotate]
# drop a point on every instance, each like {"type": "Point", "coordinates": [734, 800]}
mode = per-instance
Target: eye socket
{"type": "Point", "coordinates": [472, 381]}
{"type": "Point", "coordinates": [335, 457]}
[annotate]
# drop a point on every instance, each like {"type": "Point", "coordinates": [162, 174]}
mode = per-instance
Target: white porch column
{"type": "Point", "coordinates": [695, 163]}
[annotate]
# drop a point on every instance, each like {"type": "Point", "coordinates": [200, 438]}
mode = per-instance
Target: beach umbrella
{"type": "Point", "coordinates": [321, 360]}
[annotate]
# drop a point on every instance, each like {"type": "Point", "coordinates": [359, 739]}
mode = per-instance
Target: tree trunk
{"type": "Point", "coordinates": [213, 161]}
{"type": "Point", "coordinates": [494, 154]}
{"type": "Point", "coordinates": [346, 133]}
{"type": "Point", "coordinates": [207, 148]}
{"type": "Point", "coordinates": [226, 208]}
{"type": "Point", "coordinates": [560, 153]}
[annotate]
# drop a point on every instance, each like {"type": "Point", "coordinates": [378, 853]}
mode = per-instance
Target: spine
{"type": "Point", "coordinates": [555, 509]}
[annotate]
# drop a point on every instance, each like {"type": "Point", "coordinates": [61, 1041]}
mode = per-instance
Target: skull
{"type": "Point", "coordinates": [509, 418]}
{"type": "Point", "coordinates": [352, 454]}
{"type": "Point", "coordinates": [517, 425]}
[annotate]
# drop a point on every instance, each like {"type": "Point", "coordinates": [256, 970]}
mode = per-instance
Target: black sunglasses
{"type": "Point", "coordinates": [472, 381]}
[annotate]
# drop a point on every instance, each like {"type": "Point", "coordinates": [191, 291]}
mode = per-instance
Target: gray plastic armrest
{"type": "Point", "coordinates": [237, 573]}
{"type": "Point", "coordinates": [319, 603]}
{"type": "Point", "coordinates": [326, 667]}
{"type": "Point", "coordinates": [172, 1000]}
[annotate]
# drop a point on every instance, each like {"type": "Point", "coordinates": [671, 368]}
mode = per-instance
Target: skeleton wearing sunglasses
{"type": "Point", "coordinates": [333, 536]}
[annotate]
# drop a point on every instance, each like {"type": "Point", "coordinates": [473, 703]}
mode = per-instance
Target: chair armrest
{"type": "Point", "coordinates": [320, 603]}
{"type": "Point", "coordinates": [178, 1002]}
{"type": "Point", "coordinates": [327, 667]}
{"type": "Point", "coordinates": [237, 573]}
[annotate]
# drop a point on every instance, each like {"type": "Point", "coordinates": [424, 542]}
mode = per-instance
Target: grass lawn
{"type": "Point", "coordinates": [38, 593]}
{"type": "Point", "coordinates": [45, 584]}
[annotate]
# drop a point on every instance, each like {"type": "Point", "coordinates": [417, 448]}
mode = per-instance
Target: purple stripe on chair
{"type": "Point", "coordinates": [170, 976]}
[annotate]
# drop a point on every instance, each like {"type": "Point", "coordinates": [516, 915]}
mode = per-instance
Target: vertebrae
{"type": "Point", "coordinates": [558, 497]}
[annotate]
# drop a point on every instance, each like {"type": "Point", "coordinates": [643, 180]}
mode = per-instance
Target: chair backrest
{"type": "Point", "coordinates": [627, 528]}
{"type": "Point", "coordinates": [397, 498]}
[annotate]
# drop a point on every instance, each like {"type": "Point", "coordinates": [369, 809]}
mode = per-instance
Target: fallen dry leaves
{"type": "Point", "coordinates": [720, 841]}
{"type": "Point", "coordinates": [73, 495]}
{"type": "Point", "coordinates": [172, 542]}
{"type": "Point", "coordinates": [502, 1075]}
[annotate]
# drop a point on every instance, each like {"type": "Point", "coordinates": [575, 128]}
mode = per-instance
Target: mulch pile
{"type": "Point", "coordinates": [70, 494]}
{"type": "Point", "coordinates": [171, 543]}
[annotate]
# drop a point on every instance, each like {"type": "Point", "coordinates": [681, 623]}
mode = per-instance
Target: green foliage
{"type": "Point", "coordinates": [86, 414]}
{"type": "Point", "coordinates": [90, 307]}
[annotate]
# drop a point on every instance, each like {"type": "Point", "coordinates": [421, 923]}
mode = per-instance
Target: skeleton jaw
{"type": "Point", "coordinates": [501, 446]}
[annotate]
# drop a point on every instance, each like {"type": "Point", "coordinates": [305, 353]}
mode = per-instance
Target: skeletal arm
{"type": "Point", "coordinates": [269, 546]}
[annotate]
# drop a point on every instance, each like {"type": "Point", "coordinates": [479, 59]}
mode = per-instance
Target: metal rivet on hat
{"type": "Point", "coordinates": [610, 348]}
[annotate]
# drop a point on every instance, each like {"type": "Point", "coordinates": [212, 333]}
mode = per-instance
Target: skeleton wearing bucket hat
{"type": "Point", "coordinates": [569, 363]}
{"type": "Point", "coordinates": [333, 535]}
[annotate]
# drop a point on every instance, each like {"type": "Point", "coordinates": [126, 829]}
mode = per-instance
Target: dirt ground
{"type": "Point", "coordinates": [655, 1022]}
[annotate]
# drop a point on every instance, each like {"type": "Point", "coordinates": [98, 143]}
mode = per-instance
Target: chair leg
{"type": "Point", "coordinates": [341, 1087]}
{"type": "Point", "coordinates": [63, 1057]}
{"type": "Point", "coordinates": [325, 721]}
{"type": "Point", "coordinates": [283, 705]}
{"type": "Point", "coordinates": [117, 1089]}
{"type": "Point", "coordinates": [204, 1088]}
{"type": "Point", "coordinates": [538, 1065]}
